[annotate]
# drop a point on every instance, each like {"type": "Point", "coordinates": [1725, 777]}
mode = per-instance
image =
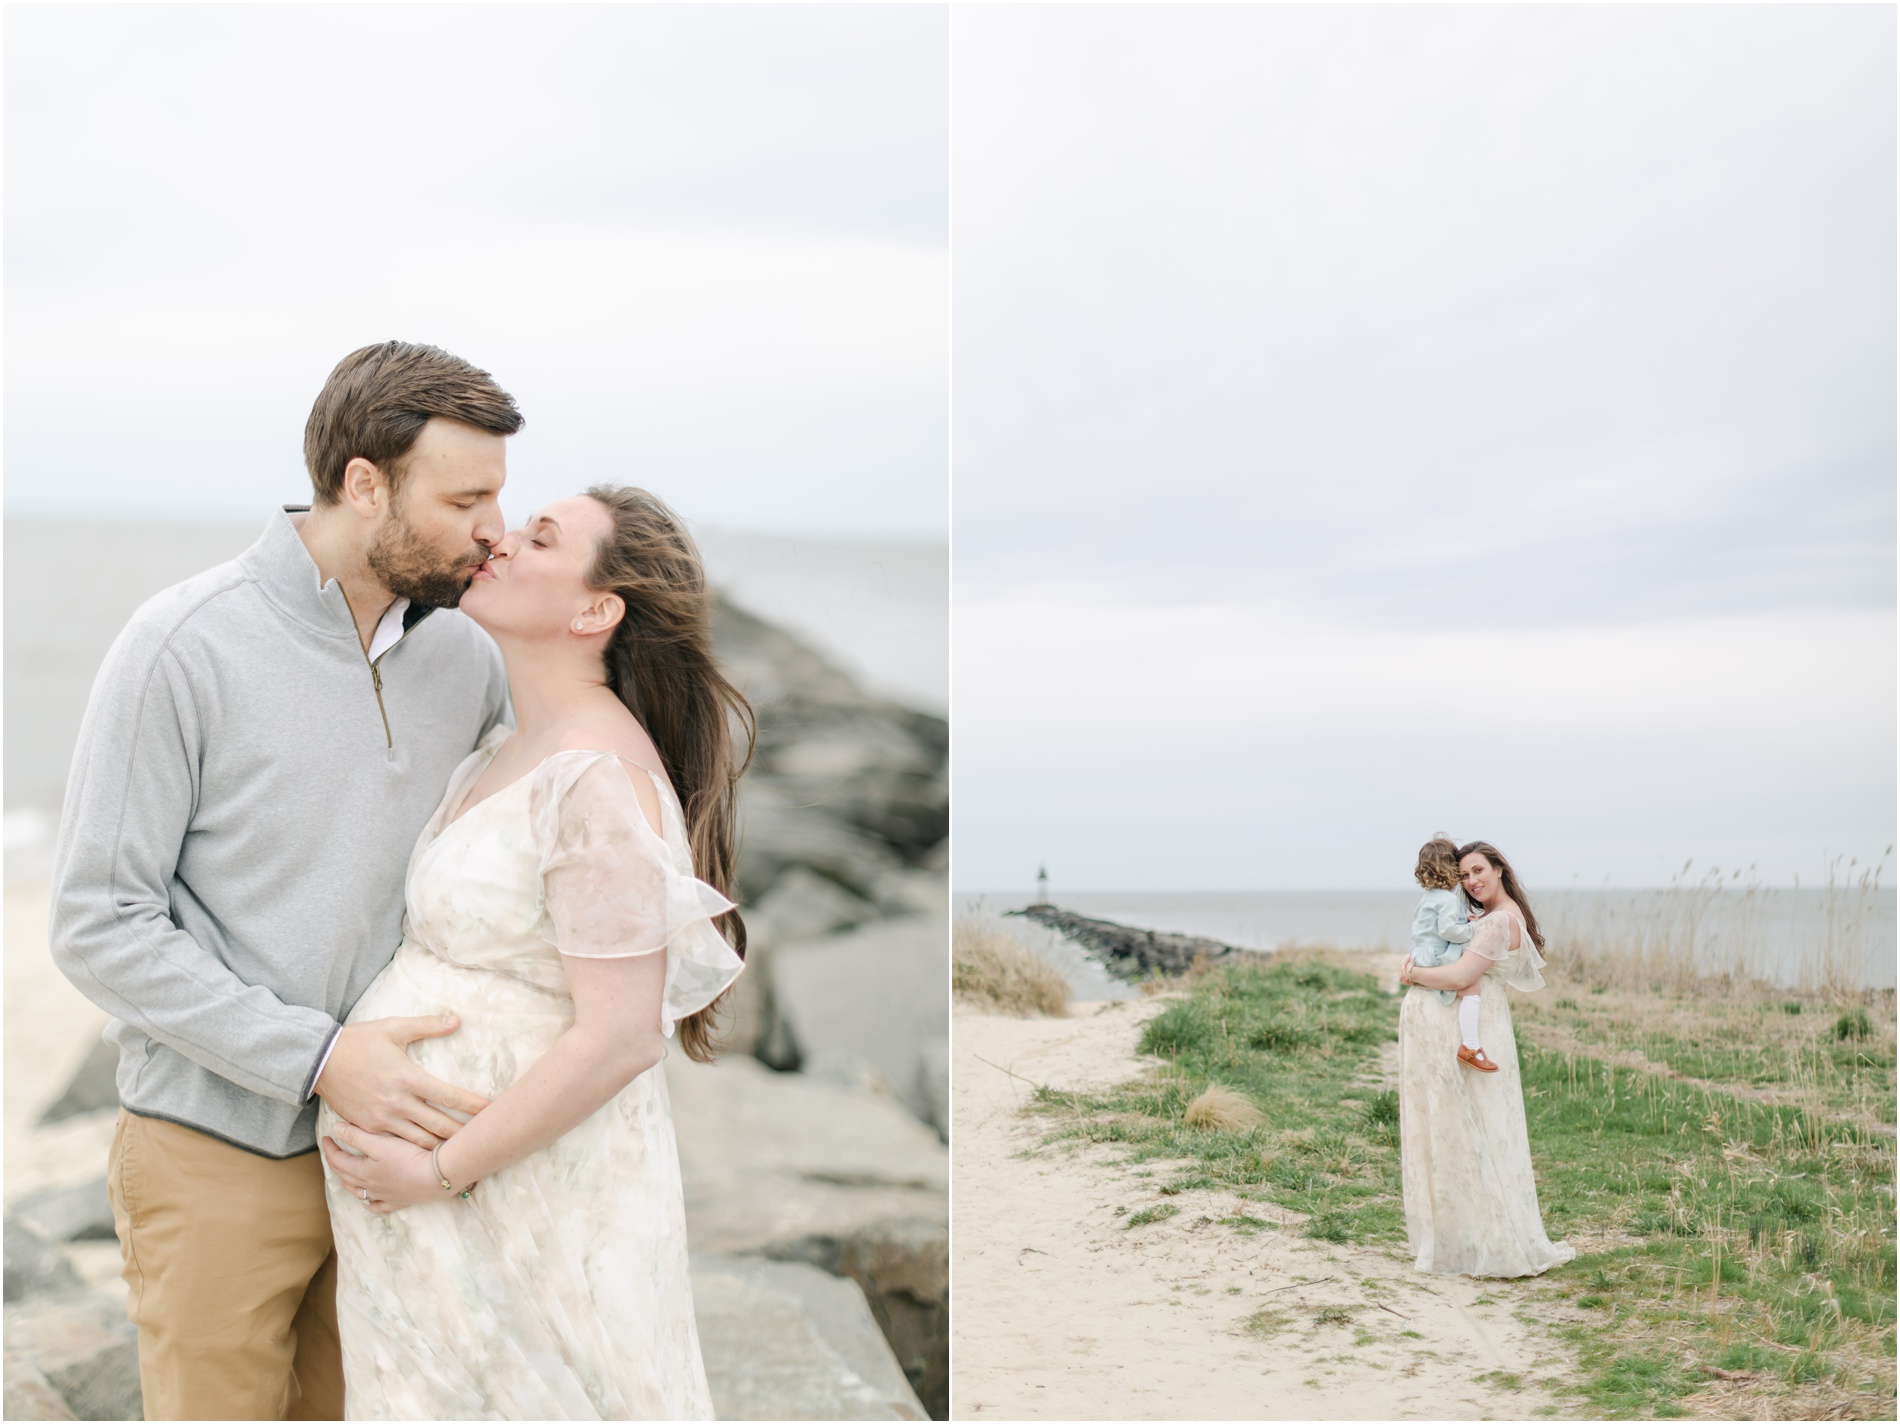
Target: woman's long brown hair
{"type": "Point", "coordinates": [660, 664]}
{"type": "Point", "coordinates": [1508, 879]}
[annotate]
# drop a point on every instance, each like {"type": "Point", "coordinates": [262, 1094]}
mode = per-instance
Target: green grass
{"type": "Point", "coordinates": [1726, 1231]}
{"type": "Point", "coordinates": [1293, 1036]}
{"type": "Point", "coordinates": [1767, 1226]}
{"type": "Point", "coordinates": [1839, 1064]}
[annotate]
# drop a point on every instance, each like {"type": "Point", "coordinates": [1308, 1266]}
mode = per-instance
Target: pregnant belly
{"type": "Point", "coordinates": [506, 1024]}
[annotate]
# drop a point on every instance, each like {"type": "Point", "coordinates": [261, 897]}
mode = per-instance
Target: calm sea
{"type": "Point", "coordinates": [1773, 932]}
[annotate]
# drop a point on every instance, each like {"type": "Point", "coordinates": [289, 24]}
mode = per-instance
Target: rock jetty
{"type": "Point", "coordinates": [1126, 952]}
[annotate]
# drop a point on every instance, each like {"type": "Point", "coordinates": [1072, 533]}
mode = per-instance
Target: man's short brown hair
{"type": "Point", "coordinates": [378, 399]}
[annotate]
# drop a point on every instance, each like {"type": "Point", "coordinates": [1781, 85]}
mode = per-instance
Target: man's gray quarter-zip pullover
{"type": "Point", "coordinates": [244, 796]}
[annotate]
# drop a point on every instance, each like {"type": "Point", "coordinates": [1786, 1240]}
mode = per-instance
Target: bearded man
{"type": "Point", "coordinates": [260, 751]}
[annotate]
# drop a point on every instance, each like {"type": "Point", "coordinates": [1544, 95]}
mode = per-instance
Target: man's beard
{"type": "Point", "coordinates": [410, 569]}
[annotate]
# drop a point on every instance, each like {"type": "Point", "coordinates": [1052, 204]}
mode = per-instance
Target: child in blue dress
{"type": "Point", "coordinates": [1440, 929]}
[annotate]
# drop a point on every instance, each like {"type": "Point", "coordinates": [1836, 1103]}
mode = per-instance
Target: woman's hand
{"type": "Point", "coordinates": [393, 1172]}
{"type": "Point", "coordinates": [1405, 970]}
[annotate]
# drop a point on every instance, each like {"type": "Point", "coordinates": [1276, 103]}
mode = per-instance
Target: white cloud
{"type": "Point", "coordinates": [704, 248]}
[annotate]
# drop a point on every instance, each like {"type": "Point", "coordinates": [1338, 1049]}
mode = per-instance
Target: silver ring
{"type": "Point", "coordinates": [363, 1192]}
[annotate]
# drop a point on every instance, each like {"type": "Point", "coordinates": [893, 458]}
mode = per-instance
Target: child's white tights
{"type": "Point", "coordinates": [1468, 1020]}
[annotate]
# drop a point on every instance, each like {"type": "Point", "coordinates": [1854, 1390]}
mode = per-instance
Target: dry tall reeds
{"type": "Point", "coordinates": [989, 968]}
{"type": "Point", "coordinates": [1728, 932]}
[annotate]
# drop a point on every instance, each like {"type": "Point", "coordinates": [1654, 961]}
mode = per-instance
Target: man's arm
{"type": "Point", "coordinates": [135, 780]}
{"type": "Point", "coordinates": [134, 784]}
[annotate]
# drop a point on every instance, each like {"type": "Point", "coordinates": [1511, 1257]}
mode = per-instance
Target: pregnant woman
{"type": "Point", "coordinates": [1470, 1197]}
{"type": "Point", "coordinates": [533, 1265]}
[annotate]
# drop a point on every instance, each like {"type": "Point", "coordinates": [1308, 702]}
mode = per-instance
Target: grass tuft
{"type": "Point", "coordinates": [989, 968]}
{"type": "Point", "coordinates": [1855, 1023]}
{"type": "Point", "coordinates": [1223, 1110]}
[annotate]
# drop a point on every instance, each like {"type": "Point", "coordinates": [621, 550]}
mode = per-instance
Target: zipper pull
{"type": "Point", "coordinates": [376, 676]}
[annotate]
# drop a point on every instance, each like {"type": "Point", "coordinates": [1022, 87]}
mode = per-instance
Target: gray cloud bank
{"type": "Point", "coordinates": [1573, 315]}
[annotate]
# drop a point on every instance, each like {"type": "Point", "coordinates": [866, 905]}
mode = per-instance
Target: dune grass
{"type": "Point", "coordinates": [1724, 1164]}
{"type": "Point", "coordinates": [1222, 1108]}
{"type": "Point", "coordinates": [989, 969]}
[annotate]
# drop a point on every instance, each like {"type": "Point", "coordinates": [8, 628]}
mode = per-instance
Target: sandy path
{"type": "Point", "coordinates": [1061, 1313]}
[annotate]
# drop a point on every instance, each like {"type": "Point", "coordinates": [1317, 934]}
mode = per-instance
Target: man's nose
{"type": "Point", "coordinates": [491, 529]}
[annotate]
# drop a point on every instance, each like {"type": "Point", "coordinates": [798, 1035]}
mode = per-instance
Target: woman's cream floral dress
{"type": "Point", "coordinates": [1470, 1197]}
{"type": "Point", "coordinates": [559, 1290]}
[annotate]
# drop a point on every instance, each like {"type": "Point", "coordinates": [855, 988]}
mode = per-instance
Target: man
{"type": "Point", "coordinates": [261, 749]}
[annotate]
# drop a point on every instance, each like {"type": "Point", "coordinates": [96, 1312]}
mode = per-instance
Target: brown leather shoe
{"type": "Point", "coordinates": [1474, 1058]}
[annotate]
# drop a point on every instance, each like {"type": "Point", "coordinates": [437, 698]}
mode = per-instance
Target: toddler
{"type": "Point", "coordinates": [1439, 931]}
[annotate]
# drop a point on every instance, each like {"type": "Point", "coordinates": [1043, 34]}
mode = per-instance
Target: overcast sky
{"type": "Point", "coordinates": [704, 246]}
{"type": "Point", "coordinates": [1378, 420]}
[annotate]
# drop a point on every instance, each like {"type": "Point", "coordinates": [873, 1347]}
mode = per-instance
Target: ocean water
{"type": "Point", "coordinates": [1776, 933]}
{"type": "Point", "coordinates": [879, 609]}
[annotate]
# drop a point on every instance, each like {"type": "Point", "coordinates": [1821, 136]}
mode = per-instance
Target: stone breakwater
{"type": "Point", "coordinates": [1126, 952]}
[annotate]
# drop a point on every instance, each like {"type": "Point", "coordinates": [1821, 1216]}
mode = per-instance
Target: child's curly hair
{"type": "Point", "coordinates": [1438, 864]}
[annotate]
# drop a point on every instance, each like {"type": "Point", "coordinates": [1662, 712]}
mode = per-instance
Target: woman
{"type": "Point", "coordinates": [1470, 1197]}
{"type": "Point", "coordinates": [533, 1266]}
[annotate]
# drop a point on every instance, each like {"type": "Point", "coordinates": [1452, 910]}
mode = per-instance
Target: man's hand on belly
{"type": "Point", "coordinates": [371, 1082]}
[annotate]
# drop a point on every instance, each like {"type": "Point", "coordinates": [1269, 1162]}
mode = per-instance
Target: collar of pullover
{"type": "Point", "coordinates": [288, 575]}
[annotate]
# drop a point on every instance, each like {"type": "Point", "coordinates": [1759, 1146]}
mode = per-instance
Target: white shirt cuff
{"type": "Point", "coordinates": [323, 1063]}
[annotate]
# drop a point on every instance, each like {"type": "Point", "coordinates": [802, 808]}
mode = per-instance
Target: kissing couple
{"type": "Point", "coordinates": [397, 848]}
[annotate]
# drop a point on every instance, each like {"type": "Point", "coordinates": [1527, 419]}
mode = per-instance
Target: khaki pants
{"type": "Point", "coordinates": [232, 1276]}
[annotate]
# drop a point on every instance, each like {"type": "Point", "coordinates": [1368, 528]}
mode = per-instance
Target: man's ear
{"type": "Point", "coordinates": [365, 488]}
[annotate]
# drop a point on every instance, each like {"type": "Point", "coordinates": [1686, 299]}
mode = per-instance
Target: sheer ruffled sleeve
{"type": "Point", "coordinates": [1491, 937]}
{"type": "Point", "coordinates": [1521, 968]}
{"type": "Point", "coordinates": [615, 887]}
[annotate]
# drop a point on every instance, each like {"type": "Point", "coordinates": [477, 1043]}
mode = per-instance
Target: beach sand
{"type": "Point", "coordinates": [1060, 1312]}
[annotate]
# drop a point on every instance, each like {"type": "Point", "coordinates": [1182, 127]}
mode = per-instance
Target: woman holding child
{"type": "Point", "coordinates": [1470, 1197]}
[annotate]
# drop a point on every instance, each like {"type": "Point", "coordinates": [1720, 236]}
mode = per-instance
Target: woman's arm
{"type": "Point", "coordinates": [1461, 973]}
{"type": "Point", "coordinates": [614, 1039]}
{"type": "Point", "coordinates": [1494, 937]}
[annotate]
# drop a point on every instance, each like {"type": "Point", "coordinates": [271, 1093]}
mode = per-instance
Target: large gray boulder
{"type": "Point", "coordinates": [880, 991]}
{"type": "Point", "coordinates": [79, 1346]}
{"type": "Point", "coordinates": [34, 1265]}
{"type": "Point", "coordinates": [94, 1087]}
{"type": "Point", "coordinates": [844, 782]}
{"type": "Point", "coordinates": [789, 1168]}
{"type": "Point", "coordinates": [81, 1213]}
{"type": "Point", "coordinates": [843, 818]}
{"type": "Point", "coordinates": [30, 1395]}
{"type": "Point", "coordinates": [784, 1340]}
